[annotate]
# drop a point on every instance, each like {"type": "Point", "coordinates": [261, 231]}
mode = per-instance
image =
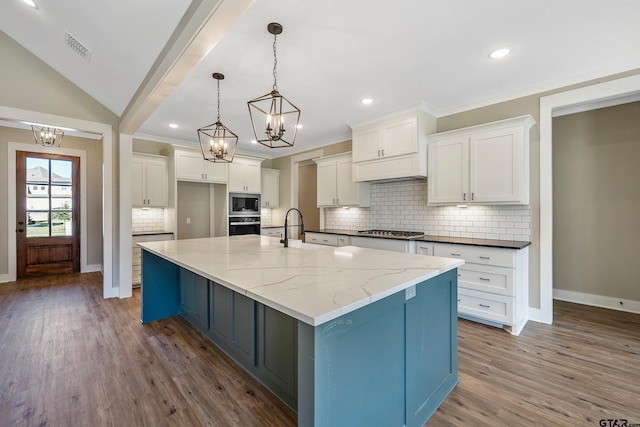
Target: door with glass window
{"type": "Point", "coordinates": [47, 214]}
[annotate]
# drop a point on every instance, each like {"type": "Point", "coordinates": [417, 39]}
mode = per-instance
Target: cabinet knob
{"type": "Point", "coordinates": [382, 153]}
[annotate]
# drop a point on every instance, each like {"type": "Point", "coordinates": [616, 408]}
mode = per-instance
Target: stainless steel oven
{"type": "Point", "coordinates": [240, 225]}
{"type": "Point", "coordinates": [244, 204]}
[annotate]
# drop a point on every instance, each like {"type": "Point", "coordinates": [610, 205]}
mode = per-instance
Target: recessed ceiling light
{"type": "Point", "coordinates": [253, 141]}
{"type": "Point", "coordinates": [366, 101]}
{"type": "Point", "coordinates": [173, 125]}
{"type": "Point", "coordinates": [299, 125]}
{"type": "Point", "coordinates": [31, 3]}
{"type": "Point", "coordinates": [500, 53]}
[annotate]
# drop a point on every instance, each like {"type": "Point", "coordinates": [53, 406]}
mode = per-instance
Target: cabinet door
{"type": "Point", "coordinates": [244, 327]}
{"type": "Point", "coordinates": [327, 184]}
{"type": "Point", "coordinates": [221, 312]}
{"type": "Point", "coordinates": [194, 298]}
{"type": "Point", "coordinates": [448, 180]}
{"type": "Point", "coordinates": [215, 172]}
{"type": "Point", "coordinates": [138, 182]}
{"type": "Point", "coordinates": [494, 165]}
{"type": "Point", "coordinates": [156, 182]}
{"type": "Point", "coordinates": [346, 189]}
{"type": "Point", "coordinates": [189, 166]}
{"type": "Point", "coordinates": [252, 177]}
{"type": "Point", "coordinates": [400, 138]}
{"type": "Point", "coordinates": [270, 188]}
{"type": "Point", "coordinates": [236, 177]}
{"type": "Point", "coordinates": [366, 145]}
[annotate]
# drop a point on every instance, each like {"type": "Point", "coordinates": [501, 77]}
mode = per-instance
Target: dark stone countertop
{"type": "Point", "coordinates": [506, 244]}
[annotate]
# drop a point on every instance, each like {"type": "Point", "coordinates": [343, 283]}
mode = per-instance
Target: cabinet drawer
{"type": "Point", "coordinates": [322, 239]}
{"type": "Point", "coordinates": [498, 280]}
{"type": "Point", "coordinates": [477, 254]}
{"type": "Point", "coordinates": [273, 232]}
{"type": "Point", "coordinates": [343, 240]}
{"type": "Point", "coordinates": [497, 308]}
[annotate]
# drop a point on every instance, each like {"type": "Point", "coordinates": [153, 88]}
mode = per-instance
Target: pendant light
{"type": "Point", "coordinates": [275, 120]}
{"type": "Point", "coordinates": [47, 136]}
{"type": "Point", "coordinates": [218, 142]}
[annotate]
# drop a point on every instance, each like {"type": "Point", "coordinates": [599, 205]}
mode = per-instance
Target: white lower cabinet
{"type": "Point", "coordinates": [273, 232]}
{"type": "Point", "coordinates": [394, 245]}
{"type": "Point", "coordinates": [136, 255]}
{"type": "Point", "coordinates": [492, 284]}
{"type": "Point", "coordinates": [327, 239]}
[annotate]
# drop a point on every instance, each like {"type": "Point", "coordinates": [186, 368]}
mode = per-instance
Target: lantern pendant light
{"type": "Point", "coordinates": [47, 136]}
{"type": "Point", "coordinates": [218, 142]}
{"type": "Point", "coordinates": [275, 120]}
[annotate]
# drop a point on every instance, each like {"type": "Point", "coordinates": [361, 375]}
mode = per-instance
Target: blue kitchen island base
{"type": "Point", "coordinates": [389, 363]}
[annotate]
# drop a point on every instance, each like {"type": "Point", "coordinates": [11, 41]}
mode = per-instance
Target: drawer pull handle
{"type": "Point", "coordinates": [484, 305]}
{"type": "Point", "coordinates": [485, 257]}
{"type": "Point", "coordinates": [325, 240]}
{"type": "Point", "coordinates": [485, 279]}
{"type": "Point", "coordinates": [455, 254]}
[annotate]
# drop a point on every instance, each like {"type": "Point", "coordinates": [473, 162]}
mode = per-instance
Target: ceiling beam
{"type": "Point", "coordinates": [203, 25]}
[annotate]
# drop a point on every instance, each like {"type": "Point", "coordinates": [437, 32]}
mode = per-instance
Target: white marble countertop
{"type": "Point", "coordinates": [313, 283]}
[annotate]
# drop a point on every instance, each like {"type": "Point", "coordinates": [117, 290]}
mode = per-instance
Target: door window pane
{"type": "Point", "coordinates": [49, 197]}
{"type": "Point", "coordinates": [61, 224]}
{"type": "Point", "coordinates": [37, 224]}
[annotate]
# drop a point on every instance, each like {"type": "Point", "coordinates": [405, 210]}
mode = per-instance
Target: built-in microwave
{"type": "Point", "coordinates": [244, 204]}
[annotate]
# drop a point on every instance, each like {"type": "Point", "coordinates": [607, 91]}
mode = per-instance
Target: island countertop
{"type": "Point", "coordinates": [314, 284]}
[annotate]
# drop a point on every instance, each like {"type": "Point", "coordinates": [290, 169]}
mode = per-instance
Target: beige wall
{"type": "Point", "coordinates": [29, 84]}
{"type": "Point", "coordinates": [284, 165]}
{"type": "Point", "coordinates": [307, 195]}
{"type": "Point", "coordinates": [193, 202]}
{"type": "Point", "coordinates": [149, 147]}
{"type": "Point", "coordinates": [93, 150]}
{"type": "Point", "coordinates": [596, 200]}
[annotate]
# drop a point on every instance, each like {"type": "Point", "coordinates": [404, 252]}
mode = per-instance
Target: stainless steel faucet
{"type": "Point", "coordinates": [286, 225]}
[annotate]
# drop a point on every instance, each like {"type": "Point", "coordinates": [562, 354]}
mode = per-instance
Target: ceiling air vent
{"type": "Point", "coordinates": [77, 47]}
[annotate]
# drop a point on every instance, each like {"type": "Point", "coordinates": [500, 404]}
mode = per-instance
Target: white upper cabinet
{"type": "Point", "coordinates": [392, 148]}
{"type": "Point", "coordinates": [335, 183]}
{"type": "Point", "coordinates": [270, 188]}
{"type": "Point", "coordinates": [484, 164]}
{"type": "Point", "coordinates": [244, 175]}
{"type": "Point", "coordinates": [149, 181]}
{"type": "Point", "coordinates": [191, 166]}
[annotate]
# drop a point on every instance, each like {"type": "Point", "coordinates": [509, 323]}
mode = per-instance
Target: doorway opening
{"type": "Point", "coordinates": [47, 214]}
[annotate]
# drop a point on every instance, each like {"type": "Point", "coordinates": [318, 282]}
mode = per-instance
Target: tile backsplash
{"type": "Point", "coordinates": [265, 217]}
{"type": "Point", "coordinates": [147, 220]}
{"type": "Point", "coordinates": [402, 205]}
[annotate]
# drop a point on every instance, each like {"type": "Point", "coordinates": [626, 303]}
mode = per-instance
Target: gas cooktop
{"type": "Point", "coordinates": [391, 233]}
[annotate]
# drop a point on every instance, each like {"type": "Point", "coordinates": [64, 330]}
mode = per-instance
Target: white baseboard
{"type": "Point", "coordinates": [597, 300]}
{"type": "Point", "coordinates": [92, 268]}
{"type": "Point", "coordinates": [535, 314]}
{"type": "Point", "coordinates": [4, 278]}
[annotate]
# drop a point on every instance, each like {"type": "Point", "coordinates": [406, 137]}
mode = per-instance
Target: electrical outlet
{"type": "Point", "coordinates": [188, 220]}
{"type": "Point", "coordinates": [410, 292]}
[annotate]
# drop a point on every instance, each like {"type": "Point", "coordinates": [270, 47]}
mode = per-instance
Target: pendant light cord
{"type": "Point", "coordinates": [275, 62]}
{"type": "Point", "coordinates": [218, 100]}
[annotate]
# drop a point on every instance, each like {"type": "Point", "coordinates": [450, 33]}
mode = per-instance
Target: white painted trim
{"type": "Point", "coordinates": [110, 287]}
{"type": "Point", "coordinates": [535, 314]}
{"type": "Point", "coordinates": [92, 268]}
{"type": "Point", "coordinates": [630, 306]}
{"type": "Point", "coordinates": [590, 94]}
{"type": "Point", "coordinates": [5, 278]}
{"type": "Point", "coordinates": [125, 290]}
{"type": "Point", "coordinates": [11, 182]}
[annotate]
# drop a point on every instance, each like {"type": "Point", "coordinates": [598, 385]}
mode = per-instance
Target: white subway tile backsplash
{"type": "Point", "coordinates": [147, 220]}
{"type": "Point", "coordinates": [402, 205]}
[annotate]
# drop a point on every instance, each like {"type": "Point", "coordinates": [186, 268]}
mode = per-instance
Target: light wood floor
{"type": "Point", "coordinates": [70, 358]}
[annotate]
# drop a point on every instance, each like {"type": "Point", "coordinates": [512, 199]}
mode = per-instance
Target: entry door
{"type": "Point", "coordinates": [47, 214]}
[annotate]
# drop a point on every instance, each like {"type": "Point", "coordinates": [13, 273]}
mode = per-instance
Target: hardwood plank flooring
{"type": "Point", "coordinates": [68, 357]}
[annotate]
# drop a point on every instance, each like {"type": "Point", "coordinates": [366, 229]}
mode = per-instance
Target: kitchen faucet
{"type": "Point", "coordinates": [286, 239]}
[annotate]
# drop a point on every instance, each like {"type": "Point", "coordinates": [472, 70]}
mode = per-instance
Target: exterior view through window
{"type": "Point", "coordinates": [49, 197]}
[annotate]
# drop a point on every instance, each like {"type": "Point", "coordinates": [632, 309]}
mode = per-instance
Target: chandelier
{"type": "Point", "coordinates": [272, 115]}
{"type": "Point", "coordinates": [47, 136]}
{"type": "Point", "coordinates": [218, 142]}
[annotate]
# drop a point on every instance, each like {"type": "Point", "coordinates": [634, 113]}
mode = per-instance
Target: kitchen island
{"type": "Point", "coordinates": [345, 336]}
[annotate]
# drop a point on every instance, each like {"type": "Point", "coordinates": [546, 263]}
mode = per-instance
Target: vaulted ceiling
{"type": "Point", "coordinates": [331, 54]}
